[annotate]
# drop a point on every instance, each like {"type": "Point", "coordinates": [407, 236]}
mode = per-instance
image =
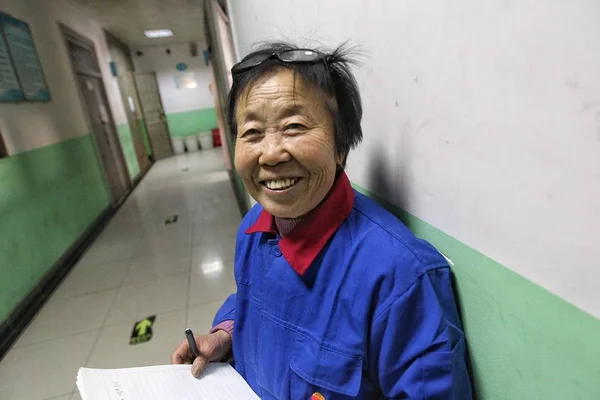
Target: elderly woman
{"type": "Point", "coordinates": [336, 298]}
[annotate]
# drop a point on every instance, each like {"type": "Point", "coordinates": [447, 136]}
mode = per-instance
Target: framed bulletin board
{"type": "Point", "coordinates": [21, 74]}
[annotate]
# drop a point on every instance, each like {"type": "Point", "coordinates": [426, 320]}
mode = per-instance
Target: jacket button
{"type": "Point", "coordinates": [277, 252]}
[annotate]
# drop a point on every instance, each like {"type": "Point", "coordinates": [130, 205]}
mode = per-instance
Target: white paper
{"type": "Point", "coordinates": [219, 382]}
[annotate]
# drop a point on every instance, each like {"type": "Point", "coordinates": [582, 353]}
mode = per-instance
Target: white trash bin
{"type": "Point", "coordinates": [191, 143]}
{"type": "Point", "coordinates": [206, 140]}
{"type": "Point", "coordinates": [178, 147]}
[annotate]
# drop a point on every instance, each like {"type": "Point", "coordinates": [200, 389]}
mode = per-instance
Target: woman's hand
{"type": "Point", "coordinates": [212, 347]}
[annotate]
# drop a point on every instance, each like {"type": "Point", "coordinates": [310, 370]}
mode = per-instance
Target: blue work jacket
{"type": "Point", "coordinates": [360, 309]}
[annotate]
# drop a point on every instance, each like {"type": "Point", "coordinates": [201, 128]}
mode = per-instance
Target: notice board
{"type": "Point", "coordinates": [21, 74]}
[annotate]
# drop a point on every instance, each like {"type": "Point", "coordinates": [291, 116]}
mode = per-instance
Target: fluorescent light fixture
{"type": "Point", "coordinates": [158, 33]}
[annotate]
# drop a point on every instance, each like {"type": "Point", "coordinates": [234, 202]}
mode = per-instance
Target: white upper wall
{"type": "Point", "coordinates": [483, 116]}
{"type": "Point", "coordinates": [156, 59]}
{"type": "Point", "coordinates": [26, 126]}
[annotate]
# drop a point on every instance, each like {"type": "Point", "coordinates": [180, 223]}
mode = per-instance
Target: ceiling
{"type": "Point", "coordinates": [128, 19]}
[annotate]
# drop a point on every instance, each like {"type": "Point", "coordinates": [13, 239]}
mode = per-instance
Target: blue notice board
{"type": "Point", "coordinates": [10, 89]}
{"type": "Point", "coordinates": [23, 56]}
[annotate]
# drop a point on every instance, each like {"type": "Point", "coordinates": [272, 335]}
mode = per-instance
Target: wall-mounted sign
{"type": "Point", "coordinates": [18, 47]}
{"type": "Point", "coordinates": [181, 66]}
{"type": "Point", "coordinates": [113, 69]}
{"type": "Point", "coordinates": [10, 89]}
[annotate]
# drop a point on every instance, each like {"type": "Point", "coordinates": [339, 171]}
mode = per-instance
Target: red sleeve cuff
{"type": "Point", "coordinates": [226, 326]}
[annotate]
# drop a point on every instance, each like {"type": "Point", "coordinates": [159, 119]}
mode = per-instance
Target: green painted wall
{"type": "Point", "coordinates": [126, 139]}
{"type": "Point", "coordinates": [142, 123]}
{"type": "Point", "coordinates": [192, 122]}
{"type": "Point", "coordinates": [48, 197]}
{"type": "Point", "coordinates": [524, 342]}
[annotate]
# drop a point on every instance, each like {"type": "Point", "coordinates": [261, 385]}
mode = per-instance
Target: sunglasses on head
{"type": "Point", "coordinates": [287, 56]}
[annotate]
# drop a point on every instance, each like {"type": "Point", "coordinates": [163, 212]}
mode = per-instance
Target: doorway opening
{"type": "Point", "coordinates": [154, 114]}
{"type": "Point", "coordinates": [88, 79]}
{"type": "Point", "coordinates": [122, 68]}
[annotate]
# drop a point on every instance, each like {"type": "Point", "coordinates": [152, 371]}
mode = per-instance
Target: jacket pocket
{"type": "Point", "coordinates": [445, 375]}
{"type": "Point", "coordinates": [273, 354]}
{"type": "Point", "coordinates": [321, 368]}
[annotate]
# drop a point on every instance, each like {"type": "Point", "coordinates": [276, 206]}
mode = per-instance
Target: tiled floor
{"type": "Point", "coordinates": [138, 267]}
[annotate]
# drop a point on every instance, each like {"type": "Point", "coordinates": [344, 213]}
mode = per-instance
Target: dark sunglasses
{"type": "Point", "coordinates": [288, 56]}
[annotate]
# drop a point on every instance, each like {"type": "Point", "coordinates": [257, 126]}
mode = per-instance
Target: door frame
{"type": "Point", "coordinates": [71, 36]}
{"type": "Point", "coordinates": [162, 107]}
{"type": "Point", "coordinates": [219, 60]}
{"type": "Point", "coordinates": [127, 73]}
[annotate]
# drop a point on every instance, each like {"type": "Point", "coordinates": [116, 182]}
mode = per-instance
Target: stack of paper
{"type": "Point", "coordinates": [219, 382]}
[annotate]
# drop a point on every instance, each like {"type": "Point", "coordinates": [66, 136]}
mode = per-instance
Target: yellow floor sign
{"type": "Point", "coordinates": [142, 330]}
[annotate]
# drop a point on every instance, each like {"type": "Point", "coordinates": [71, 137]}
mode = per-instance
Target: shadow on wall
{"type": "Point", "coordinates": [383, 183]}
{"type": "Point", "coordinates": [392, 194]}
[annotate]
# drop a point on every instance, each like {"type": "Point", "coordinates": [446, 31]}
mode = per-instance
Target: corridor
{"type": "Point", "coordinates": [138, 267]}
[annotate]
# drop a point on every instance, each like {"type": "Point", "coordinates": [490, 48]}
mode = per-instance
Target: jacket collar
{"type": "Point", "coordinates": [307, 239]}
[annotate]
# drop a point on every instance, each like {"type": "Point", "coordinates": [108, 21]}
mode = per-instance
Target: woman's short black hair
{"type": "Point", "coordinates": [333, 78]}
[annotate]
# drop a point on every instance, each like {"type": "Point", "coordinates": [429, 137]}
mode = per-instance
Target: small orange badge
{"type": "Point", "coordinates": [317, 396]}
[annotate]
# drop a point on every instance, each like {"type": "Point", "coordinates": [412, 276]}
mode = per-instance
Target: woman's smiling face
{"type": "Point", "coordinates": [285, 147]}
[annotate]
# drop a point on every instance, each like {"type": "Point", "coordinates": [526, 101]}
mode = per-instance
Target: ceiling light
{"type": "Point", "coordinates": [158, 33]}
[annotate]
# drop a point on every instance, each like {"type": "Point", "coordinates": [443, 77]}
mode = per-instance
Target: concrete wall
{"type": "Point", "coordinates": [482, 130]}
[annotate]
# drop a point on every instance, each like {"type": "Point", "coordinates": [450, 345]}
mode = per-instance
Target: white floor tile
{"type": "Point", "coordinates": [46, 369]}
{"type": "Point", "coordinates": [157, 225]}
{"type": "Point", "coordinates": [222, 214]}
{"type": "Point", "coordinates": [154, 247]}
{"type": "Point", "coordinates": [66, 396]}
{"type": "Point", "coordinates": [156, 221]}
{"type": "Point", "coordinates": [102, 253]}
{"type": "Point", "coordinates": [140, 301]}
{"type": "Point", "coordinates": [154, 237]}
{"type": "Point", "coordinates": [84, 280]}
{"type": "Point", "coordinates": [119, 233]}
{"type": "Point", "coordinates": [145, 269]}
{"type": "Point", "coordinates": [200, 318]}
{"type": "Point", "coordinates": [210, 281]}
{"type": "Point", "coordinates": [68, 316]}
{"type": "Point", "coordinates": [221, 244]}
{"type": "Point", "coordinates": [113, 350]}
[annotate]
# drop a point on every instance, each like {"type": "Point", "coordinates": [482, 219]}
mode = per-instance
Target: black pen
{"type": "Point", "coordinates": [192, 342]}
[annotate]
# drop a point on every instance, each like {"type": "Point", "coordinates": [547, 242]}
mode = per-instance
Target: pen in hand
{"type": "Point", "coordinates": [192, 343]}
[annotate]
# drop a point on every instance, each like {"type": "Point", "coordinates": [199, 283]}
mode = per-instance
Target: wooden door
{"type": "Point", "coordinates": [128, 94]}
{"type": "Point", "coordinates": [88, 77]}
{"type": "Point", "coordinates": [154, 114]}
{"type": "Point", "coordinates": [105, 137]}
